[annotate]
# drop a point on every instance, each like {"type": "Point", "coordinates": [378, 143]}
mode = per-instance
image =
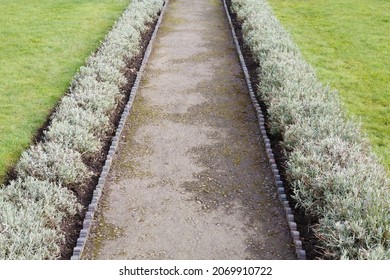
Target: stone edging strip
{"type": "Point", "coordinates": [89, 215]}
{"type": "Point", "coordinates": [300, 252]}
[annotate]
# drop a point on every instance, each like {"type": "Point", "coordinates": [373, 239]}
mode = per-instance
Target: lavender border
{"type": "Point", "coordinates": [299, 251]}
{"type": "Point", "coordinates": [92, 208]}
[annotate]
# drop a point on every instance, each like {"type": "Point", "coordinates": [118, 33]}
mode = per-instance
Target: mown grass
{"type": "Point", "coordinates": [42, 44]}
{"type": "Point", "coordinates": [347, 42]}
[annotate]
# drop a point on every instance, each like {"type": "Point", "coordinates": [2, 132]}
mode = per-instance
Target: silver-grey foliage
{"type": "Point", "coordinates": [53, 162]}
{"type": "Point", "coordinates": [335, 175]}
{"type": "Point", "coordinates": [73, 136]}
{"type": "Point", "coordinates": [31, 212]}
{"type": "Point", "coordinates": [33, 207]}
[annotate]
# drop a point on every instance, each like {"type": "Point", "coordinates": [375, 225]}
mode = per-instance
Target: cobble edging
{"type": "Point", "coordinates": [299, 251]}
{"type": "Point", "coordinates": [92, 208]}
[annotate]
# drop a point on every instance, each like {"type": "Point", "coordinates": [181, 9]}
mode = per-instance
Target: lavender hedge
{"type": "Point", "coordinates": [335, 176]}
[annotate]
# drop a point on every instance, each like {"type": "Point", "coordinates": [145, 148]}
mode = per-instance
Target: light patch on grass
{"type": "Point", "coordinates": [347, 42]}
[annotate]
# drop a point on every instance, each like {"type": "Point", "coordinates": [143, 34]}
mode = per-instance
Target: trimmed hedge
{"type": "Point", "coordinates": [34, 206]}
{"type": "Point", "coordinates": [31, 213]}
{"type": "Point", "coordinates": [333, 172]}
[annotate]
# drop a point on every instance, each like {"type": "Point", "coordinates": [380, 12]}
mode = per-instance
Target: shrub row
{"type": "Point", "coordinates": [333, 172]}
{"type": "Point", "coordinates": [35, 204]}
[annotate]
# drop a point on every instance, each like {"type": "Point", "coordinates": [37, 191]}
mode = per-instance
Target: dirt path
{"type": "Point", "coordinates": [190, 179]}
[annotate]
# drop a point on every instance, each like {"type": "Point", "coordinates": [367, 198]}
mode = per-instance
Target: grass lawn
{"type": "Point", "coordinates": [348, 43]}
{"type": "Point", "coordinates": [42, 44]}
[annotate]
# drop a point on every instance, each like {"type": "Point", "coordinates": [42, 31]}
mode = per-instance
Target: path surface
{"type": "Point", "coordinates": [190, 179]}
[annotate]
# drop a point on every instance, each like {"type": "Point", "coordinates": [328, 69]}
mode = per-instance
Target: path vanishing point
{"type": "Point", "coordinates": [190, 179]}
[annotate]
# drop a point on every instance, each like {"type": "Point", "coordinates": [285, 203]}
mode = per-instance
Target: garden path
{"type": "Point", "coordinates": [190, 179]}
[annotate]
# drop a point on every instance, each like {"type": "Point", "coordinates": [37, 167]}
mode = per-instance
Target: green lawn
{"type": "Point", "coordinates": [348, 43]}
{"type": "Point", "coordinates": [42, 44]}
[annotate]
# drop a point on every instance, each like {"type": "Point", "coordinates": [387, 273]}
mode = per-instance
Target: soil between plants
{"type": "Point", "coordinates": [305, 223]}
{"type": "Point", "coordinates": [190, 179]}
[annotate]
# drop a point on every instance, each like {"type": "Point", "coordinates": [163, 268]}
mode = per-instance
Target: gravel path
{"type": "Point", "coordinates": [191, 179]}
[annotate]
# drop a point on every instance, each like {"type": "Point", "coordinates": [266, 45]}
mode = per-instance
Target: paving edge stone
{"type": "Point", "coordinates": [87, 223]}
{"type": "Point", "coordinates": [299, 251]}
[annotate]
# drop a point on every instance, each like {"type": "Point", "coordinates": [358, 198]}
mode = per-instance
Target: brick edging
{"type": "Point", "coordinates": [92, 208]}
{"type": "Point", "coordinates": [299, 251]}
